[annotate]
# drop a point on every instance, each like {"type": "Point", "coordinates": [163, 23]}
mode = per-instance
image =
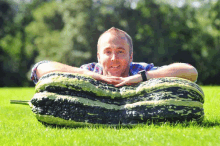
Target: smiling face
{"type": "Point", "coordinates": [113, 54]}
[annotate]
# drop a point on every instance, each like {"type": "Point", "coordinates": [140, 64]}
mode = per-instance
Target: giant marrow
{"type": "Point", "coordinates": [73, 99]}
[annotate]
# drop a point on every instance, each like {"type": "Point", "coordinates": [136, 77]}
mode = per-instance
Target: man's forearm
{"type": "Point", "coordinates": [56, 66]}
{"type": "Point", "coordinates": [181, 70]}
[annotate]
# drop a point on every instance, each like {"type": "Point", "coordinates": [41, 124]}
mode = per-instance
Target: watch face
{"type": "Point", "coordinates": [141, 71]}
{"type": "Point", "coordinates": [143, 74]}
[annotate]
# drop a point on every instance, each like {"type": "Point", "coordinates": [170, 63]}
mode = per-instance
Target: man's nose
{"type": "Point", "coordinates": [114, 56]}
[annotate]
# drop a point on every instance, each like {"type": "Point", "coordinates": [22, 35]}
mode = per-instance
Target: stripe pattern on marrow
{"type": "Point", "coordinates": [73, 99]}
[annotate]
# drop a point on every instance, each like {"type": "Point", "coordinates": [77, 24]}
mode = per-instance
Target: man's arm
{"type": "Point", "coordinates": [49, 67]}
{"type": "Point", "coordinates": [181, 70]}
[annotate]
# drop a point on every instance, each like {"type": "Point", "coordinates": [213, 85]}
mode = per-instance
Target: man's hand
{"type": "Point", "coordinates": [132, 80]}
{"type": "Point", "coordinates": [110, 79]}
{"type": "Point", "coordinates": [106, 79]}
{"type": "Point", "coordinates": [120, 81]}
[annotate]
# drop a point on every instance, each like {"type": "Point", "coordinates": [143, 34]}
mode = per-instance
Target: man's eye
{"type": "Point", "coordinates": [120, 52]}
{"type": "Point", "coordinates": [108, 52]}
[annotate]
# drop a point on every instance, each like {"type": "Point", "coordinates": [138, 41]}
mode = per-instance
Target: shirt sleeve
{"type": "Point", "coordinates": [95, 67]}
{"type": "Point", "coordinates": [89, 66]}
{"type": "Point", "coordinates": [157, 67]}
{"type": "Point", "coordinates": [34, 77]}
{"type": "Point", "coordinates": [135, 67]}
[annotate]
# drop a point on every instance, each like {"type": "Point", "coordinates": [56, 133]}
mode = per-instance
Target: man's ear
{"type": "Point", "coordinates": [98, 57]}
{"type": "Point", "coordinates": [131, 57]}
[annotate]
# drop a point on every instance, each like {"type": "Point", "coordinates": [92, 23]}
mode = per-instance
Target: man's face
{"type": "Point", "coordinates": [113, 55]}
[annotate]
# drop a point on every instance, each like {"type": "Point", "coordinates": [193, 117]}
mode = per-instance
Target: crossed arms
{"type": "Point", "coordinates": [181, 70]}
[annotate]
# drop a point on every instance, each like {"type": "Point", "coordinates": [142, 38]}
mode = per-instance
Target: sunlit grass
{"type": "Point", "coordinates": [18, 126]}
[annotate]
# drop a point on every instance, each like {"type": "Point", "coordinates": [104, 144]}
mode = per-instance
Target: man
{"type": "Point", "coordinates": [115, 66]}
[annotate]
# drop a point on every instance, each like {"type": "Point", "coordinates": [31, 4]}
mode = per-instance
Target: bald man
{"type": "Point", "coordinates": [115, 64]}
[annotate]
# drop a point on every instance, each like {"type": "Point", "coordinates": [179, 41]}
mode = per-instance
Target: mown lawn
{"type": "Point", "coordinates": [18, 126]}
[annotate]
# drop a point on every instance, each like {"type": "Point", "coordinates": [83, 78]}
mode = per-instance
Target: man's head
{"type": "Point", "coordinates": [118, 31]}
{"type": "Point", "coordinates": [115, 52]}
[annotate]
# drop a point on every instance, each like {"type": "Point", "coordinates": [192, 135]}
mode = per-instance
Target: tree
{"type": "Point", "coordinates": [16, 56]}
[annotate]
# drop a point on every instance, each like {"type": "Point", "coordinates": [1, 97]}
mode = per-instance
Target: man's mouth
{"type": "Point", "coordinates": [115, 67]}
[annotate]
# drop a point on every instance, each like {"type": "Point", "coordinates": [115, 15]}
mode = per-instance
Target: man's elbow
{"type": "Point", "coordinates": [44, 68]}
{"type": "Point", "coordinates": [193, 74]}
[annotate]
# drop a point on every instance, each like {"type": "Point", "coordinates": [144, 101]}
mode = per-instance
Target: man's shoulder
{"type": "Point", "coordinates": [94, 66]}
{"type": "Point", "coordinates": [135, 67]}
{"type": "Point", "coordinates": [141, 65]}
{"type": "Point", "coordinates": [89, 66]}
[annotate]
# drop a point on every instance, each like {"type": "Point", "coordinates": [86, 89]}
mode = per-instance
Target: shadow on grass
{"type": "Point", "coordinates": [204, 124]}
{"type": "Point", "coordinates": [185, 124]}
{"type": "Point", "coordinates": [208, 124]}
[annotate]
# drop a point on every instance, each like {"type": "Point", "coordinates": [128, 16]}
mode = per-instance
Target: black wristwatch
{"type": "Point", "coordinates": [143, 74]}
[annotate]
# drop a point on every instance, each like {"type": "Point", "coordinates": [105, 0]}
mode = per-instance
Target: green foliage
{"type": "Point", "coordinates": [46, 36]}
{"type": "Point", "coordinates": [163, 33]}
{"type": "Point", "coordinates": [67, 31]}
{"type": "Point", "coordinates": [64, 38]}
{"type": "Point", "coordinates": [7, 12]}
{"type": "Point", "coordinates": [10, 44]}
{"type": "Point", "coordinates": [17, 55]}
{"type": "Point", "coordinates": [205, 43]}
{"type": "Point", "coordinates": [77, 32]}
{"type": "Point", "coordinates": [179, 34]}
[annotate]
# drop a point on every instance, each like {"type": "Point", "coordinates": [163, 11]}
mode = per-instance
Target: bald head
{"type": "Point", "coordinates": [118, 33]}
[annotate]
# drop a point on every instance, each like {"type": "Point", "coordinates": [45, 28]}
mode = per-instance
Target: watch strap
{"type": "Point", "coordinates": [143, 75]}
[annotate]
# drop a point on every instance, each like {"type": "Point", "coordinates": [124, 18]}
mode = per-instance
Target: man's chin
{"type": "Point", "coordinates": [116, 74]}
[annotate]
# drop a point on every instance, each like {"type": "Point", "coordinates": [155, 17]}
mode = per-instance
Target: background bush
{"type": "Point", "coordinates": [67, 31]}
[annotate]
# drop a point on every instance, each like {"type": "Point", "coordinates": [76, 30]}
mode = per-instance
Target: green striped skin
{"type": "Point", "coordinates": [72, 99]}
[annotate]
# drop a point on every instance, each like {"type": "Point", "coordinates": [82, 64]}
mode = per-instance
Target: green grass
{"type": "Point", "coordinates": [18, 126]}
